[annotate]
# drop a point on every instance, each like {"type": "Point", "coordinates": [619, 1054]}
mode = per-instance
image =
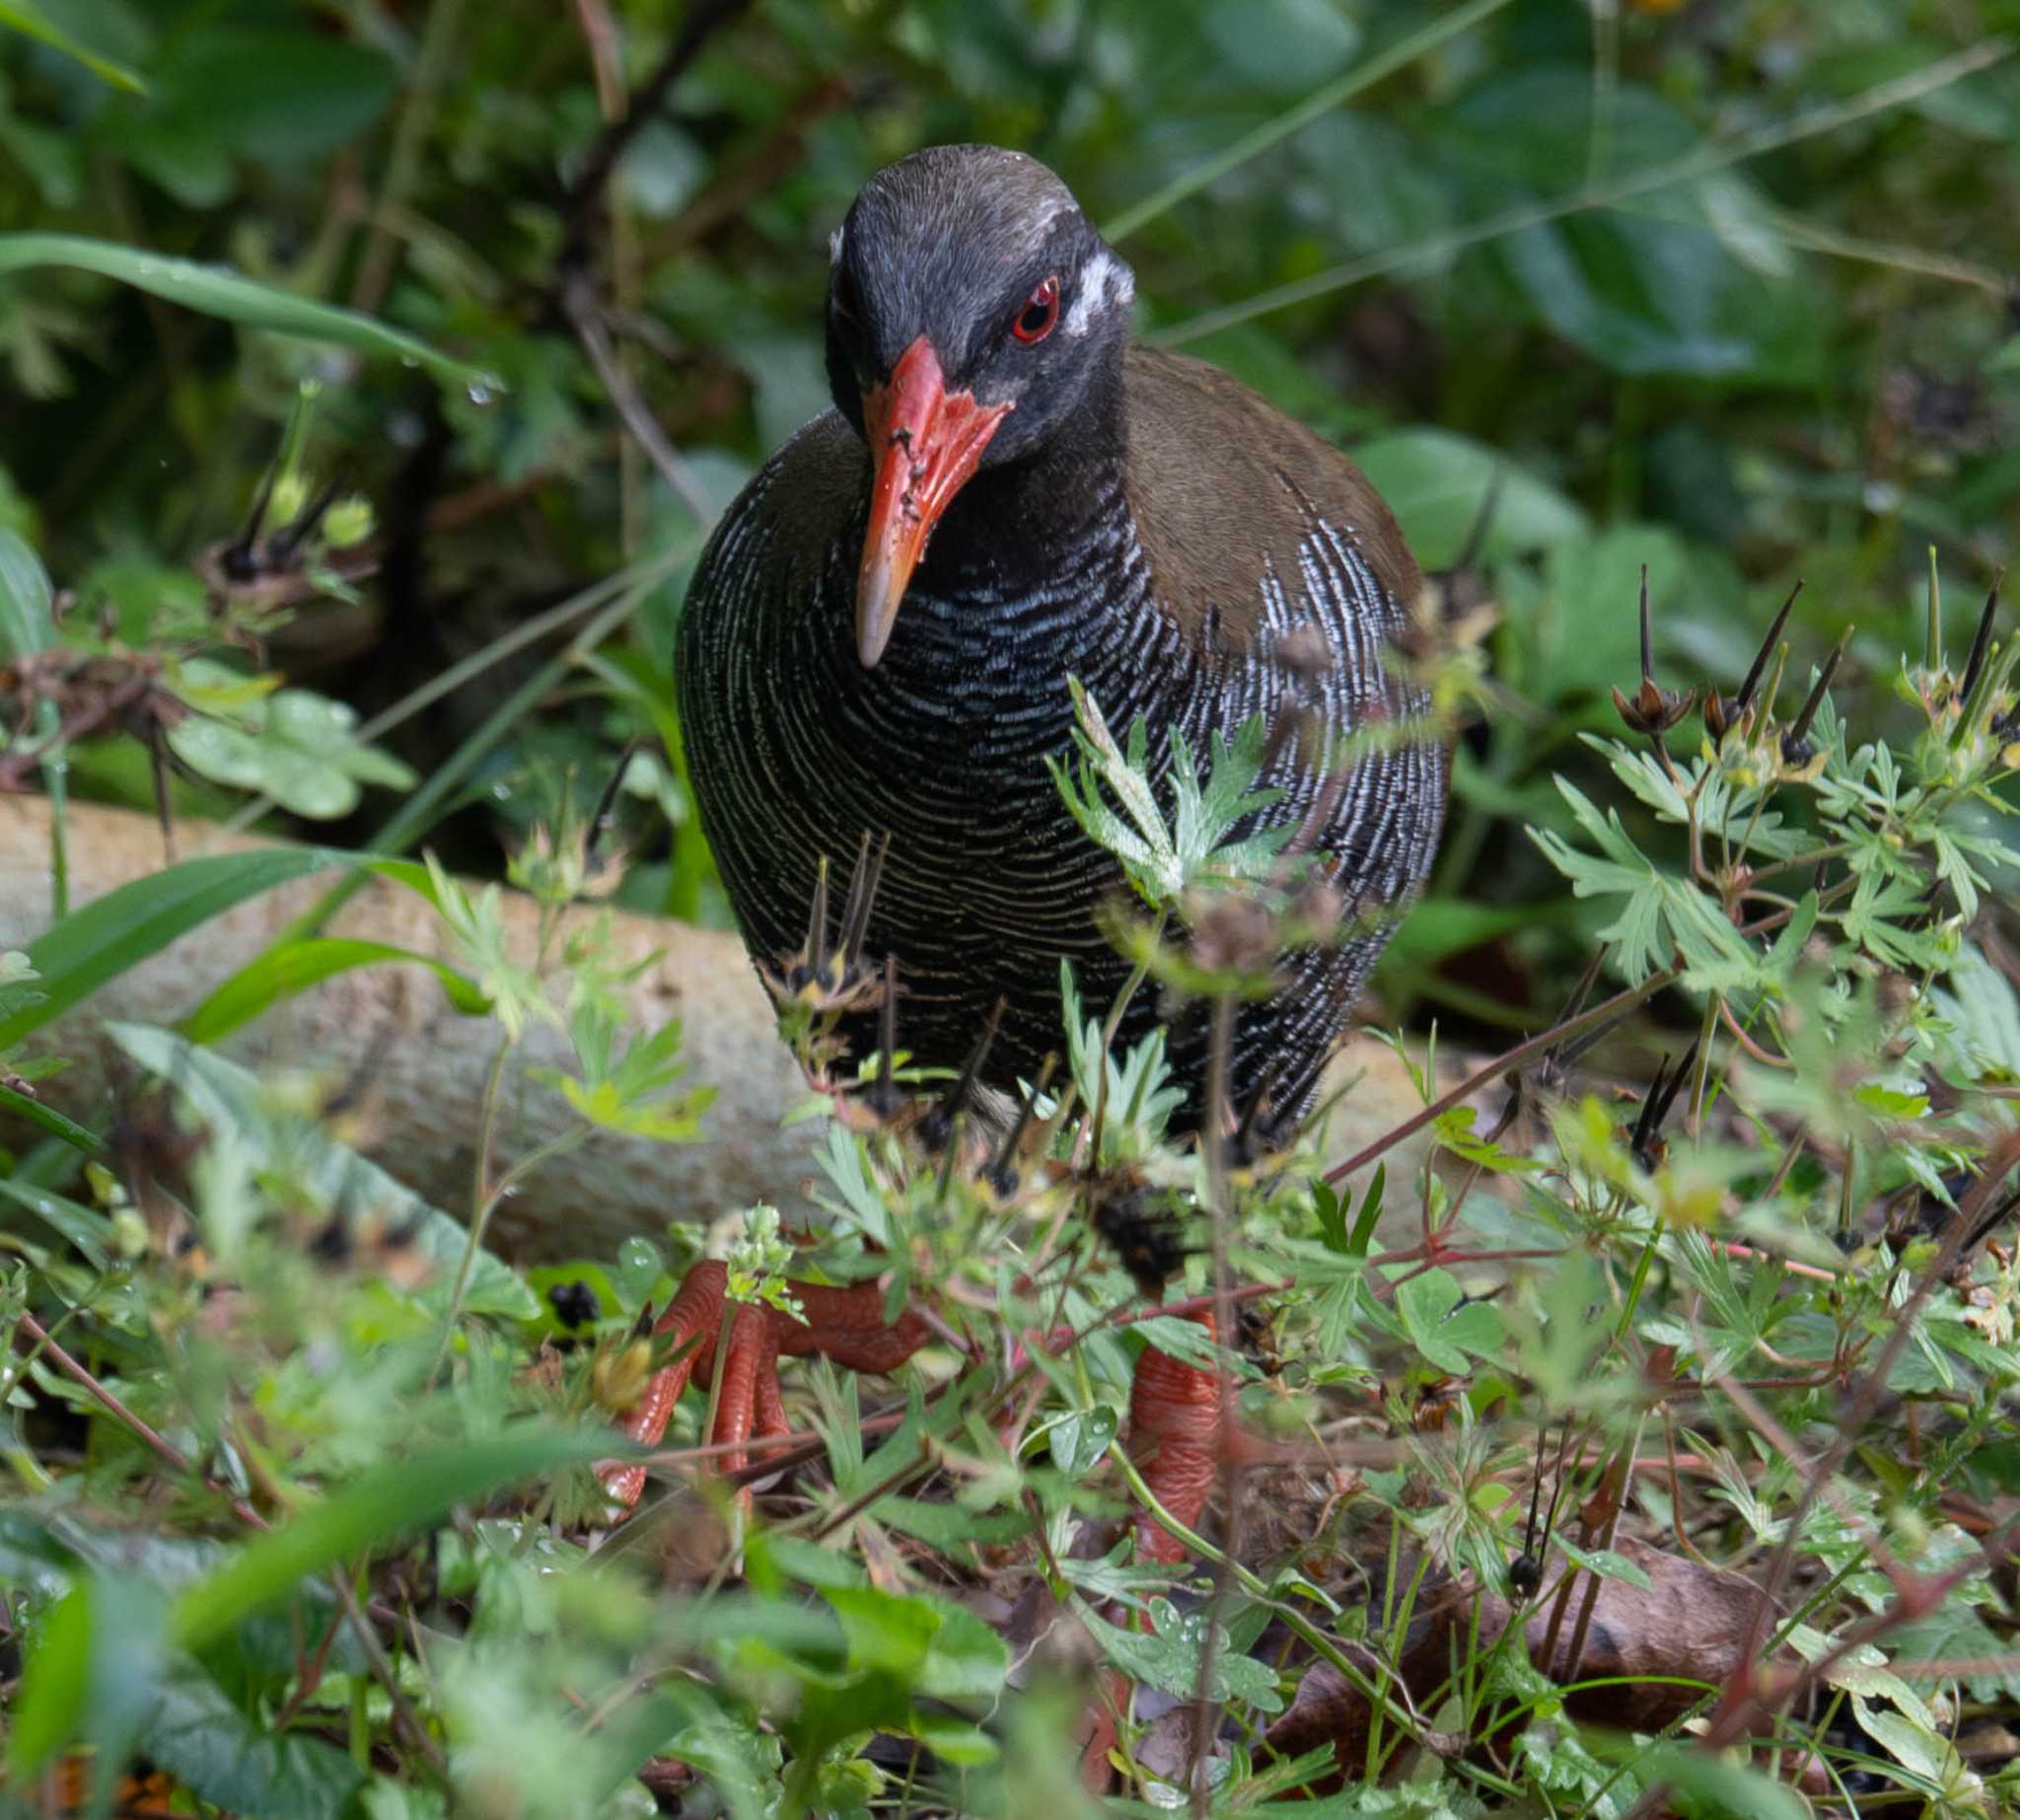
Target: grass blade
{"type": "Point", "coordinates": [294, 967]}
{"type": "Point", "coordinates": [374, 1508]}
{"type": "Point", "coordinates": [25, 16]}
{"type": "Point", "coordinates": [216, 290]}
{"type": "Point", "coordinates": [100, 942]}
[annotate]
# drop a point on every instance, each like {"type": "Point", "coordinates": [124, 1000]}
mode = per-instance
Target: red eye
{"type": "Point", "coordinates": [1041, 310]}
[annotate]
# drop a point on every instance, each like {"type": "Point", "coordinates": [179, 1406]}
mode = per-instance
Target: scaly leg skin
{"type": "Point", "coordinates": [844, 1325]}
{"type": "Point", "coordinates": [1177, 1439]}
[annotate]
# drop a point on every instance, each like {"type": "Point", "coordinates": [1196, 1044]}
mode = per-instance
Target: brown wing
{"type": "Point", "coordinates": [1225, 486]}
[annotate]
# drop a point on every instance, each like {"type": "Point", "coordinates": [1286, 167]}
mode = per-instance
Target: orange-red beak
{"type": "Point", "coordinates": [926, 443]}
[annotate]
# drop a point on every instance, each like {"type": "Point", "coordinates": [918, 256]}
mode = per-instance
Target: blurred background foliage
{"type": "Point", "coordinates": [1722, 288]}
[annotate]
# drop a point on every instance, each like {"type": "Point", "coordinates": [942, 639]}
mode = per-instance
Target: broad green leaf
{"type": "Point", "coordinates": [294, 967]}
{"type": "Point", "coordinates": [28, 19]}
{"type": "Point", "coordinates": [1716, 1787]}
{"type": "Point", "coordinates": [199, 1734]}
{"type": "Point", "coordinates": [27, 626]}
{"type": "Point", "coordinates": [949, 1526]}
{"type": "Point", "coordinates": [295, 746]}
{"type": "Point", "coordinates": [1190, 1343]}
{"type": "Point", "coordinates": [216, 290]}
{"type": "Point", "coordinates": [1442, 1325]}
{"type": "Point", "coordinates": [100, 941]}
{"type": "Point", "coordinates": [240, 88]}
{"type": "Point", "coordinates": [1170, 1658]}
{"type": "Point", "coordinates": [94, 1678]}
{"type": "Point", "coordinates": [1436, 484]}
{"type": "Point", "coordinates": [1079, 1442]}
{"type": "Point", "coordinates": [228, 1096]}
{"type": "Point", "coordinates": [1607, 1563]}
{"type": "Point", "coordinates": [374, 1508]}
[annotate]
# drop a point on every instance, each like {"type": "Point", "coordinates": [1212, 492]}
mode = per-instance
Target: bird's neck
{"type": "Point", "coordinates": [1024, 525]}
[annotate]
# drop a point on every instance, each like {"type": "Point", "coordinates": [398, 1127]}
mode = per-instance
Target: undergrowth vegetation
{"type": "Point", "coordinates": [1624, 1424]}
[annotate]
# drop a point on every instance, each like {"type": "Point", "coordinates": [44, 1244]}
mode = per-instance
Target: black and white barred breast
{"type": "Point", "coordinates": [797, 752]}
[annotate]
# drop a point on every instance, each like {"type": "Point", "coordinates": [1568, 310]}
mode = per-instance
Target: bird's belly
{"type": "Point", "coordinates": [988, 882]}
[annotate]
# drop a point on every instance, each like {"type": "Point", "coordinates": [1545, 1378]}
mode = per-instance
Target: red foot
{"type": "Point", "coordinates": [845, 1325]}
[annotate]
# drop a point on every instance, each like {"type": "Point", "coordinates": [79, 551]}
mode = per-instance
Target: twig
{"type": "Point", "coordinates": [1213, 1138]}
{"type": "Point", "coordinates": [704, 20]}
{"type": "Point", "coordinates": [582, 311]}
{"type": "Point", "coordinates": [403, 164]}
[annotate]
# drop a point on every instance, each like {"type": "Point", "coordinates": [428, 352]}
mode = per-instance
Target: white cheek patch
{"type": "Point", "coordinates": [834, 248]}
{"type": "Point", "coordinates": [1104, 280]}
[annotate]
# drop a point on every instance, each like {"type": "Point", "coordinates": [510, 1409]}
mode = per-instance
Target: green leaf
{"type": "Point", "coordinates": [92, 1681]}
{"type": "Point", "coordinates": [49, 1705]}
{"type": "Point", "coordinates": [84, 1227]}
{"type": "Point", "coordinates": [20, 1106]}
{"type": "Point", "coordinates": [197, 1734]}
{"type": "Point", "coordinates": [1080, 1440]}
{"type": "Point", "coordinates": [635, 1092]}
{"type": "Point", "coordinates": [1442, 1325]}
{"type": "Point", "coordinates": [297, 747]}
{"type": "Point", "coordinates": [27, 18]}
{"type": "Point", "coordinates": [26, 625]}
{"type": "Point", "coordinates": [138, 919]}
{"type": "Point", "coordinates": [265, 93]}
{"type": "Point", "coordinates": [1607, 1563]}
{"type": "Point", "coordinates": [228, 1096]}
{"type": "Point", "coordinates": [294, 967]}
{"type": "Point", "coordinates": [216, 290]}
{"type": "Point", "coordinates": [1187, 1342]}
{"type": "Point", "coordinates": [1713, 1788]}
{"type": "Point", "coordinates": [374, 1508]}
{"type": "Point", "coordinates": [1168, 1659]}
{"type": "Point", "coordinates": [1436, 483]}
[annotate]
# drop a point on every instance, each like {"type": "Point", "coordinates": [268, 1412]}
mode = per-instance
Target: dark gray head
{"type": "Point", "coordinates": [970, 311]}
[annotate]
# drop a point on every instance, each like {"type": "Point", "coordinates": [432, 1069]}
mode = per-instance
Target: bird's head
{"type": "Point", "coordinates": [971, 309]}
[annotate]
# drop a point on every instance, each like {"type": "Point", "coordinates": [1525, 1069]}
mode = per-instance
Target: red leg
{"type": "Point", "coordinates": [1175, 1437]}
{"type": "Point", "coordinates": [695, 1318]}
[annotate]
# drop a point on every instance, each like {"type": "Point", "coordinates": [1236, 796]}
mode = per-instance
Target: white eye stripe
{"type": "Point", "coordinates": [1104, 278]}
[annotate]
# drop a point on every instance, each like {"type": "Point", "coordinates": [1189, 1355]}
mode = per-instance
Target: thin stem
{"type": "Point", "coordinates": [403, 162]}
{"type": "Point", "coordinates": [1322, 101]}
{"type": "Point", "coordinates": [1220, 1043]}
{"type": "Point", "coordinates": [1519, 1056]}
{"type": "Point", "coordinates": [1702, 160]}
{"type": "Point", "coordinates": [1318, 1641]}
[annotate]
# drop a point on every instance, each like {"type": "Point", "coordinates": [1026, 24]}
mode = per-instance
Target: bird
{"type": "Point", "coordinates": [1009, 494]}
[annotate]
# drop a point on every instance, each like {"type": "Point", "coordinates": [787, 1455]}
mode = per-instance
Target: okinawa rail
{"type": "Point", "coordinates": [1009, 492]}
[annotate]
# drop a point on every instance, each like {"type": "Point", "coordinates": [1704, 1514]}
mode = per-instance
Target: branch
{"type": "Point", "coordinates": [585, 194]}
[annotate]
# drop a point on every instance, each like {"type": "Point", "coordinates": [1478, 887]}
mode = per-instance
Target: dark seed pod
{"type": "Point", "coordinates": [575, 1304]}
